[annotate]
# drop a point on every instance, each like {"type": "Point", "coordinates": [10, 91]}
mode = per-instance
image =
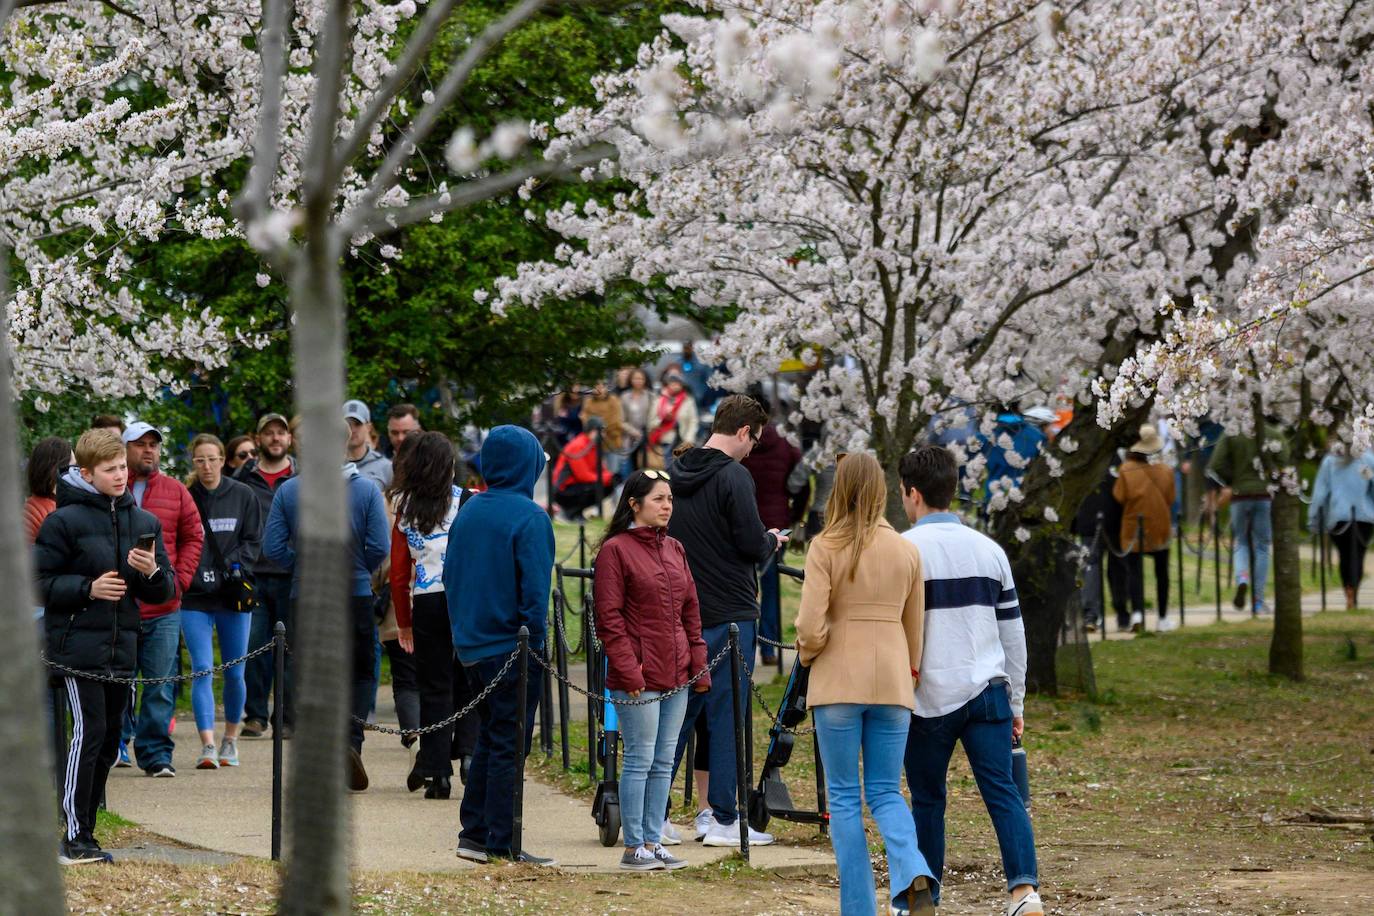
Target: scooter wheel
{"type": "Point", "coordinates": [609, 828]}
{"type": "Point", "coordinates": [758, 811]}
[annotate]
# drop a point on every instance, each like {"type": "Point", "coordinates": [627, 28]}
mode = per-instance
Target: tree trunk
{"type": "Point", "coordinates": [1285, 648]}
{"type": "Point", "coordinates": [317, 819]}
{"type": "Point", "coordinates": [1046, 575]}
{"type": "Point", "coordinates": [28, 848]}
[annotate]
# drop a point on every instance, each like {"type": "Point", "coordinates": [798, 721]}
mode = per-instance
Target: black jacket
{"type": "Point", "coordinates": [717, 520]}
{"type": "Point", "coordinates": [235, 522]}
{"type": "Point", "coordinates": [248, 475]}
{"type": "Point", "coordinates": [87, 535]}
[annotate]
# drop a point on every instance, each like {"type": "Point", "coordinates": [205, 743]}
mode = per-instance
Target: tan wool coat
{"type": "Point", "coordinates": [862, 638]}
{"type": "Point", "coordinates": [1146, 494]}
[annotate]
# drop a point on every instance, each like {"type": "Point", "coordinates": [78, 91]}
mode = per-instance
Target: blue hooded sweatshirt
{"type": "Point", "coordinates": [370, 540]}
{"type": "Point", "coordinates": [499, 562]}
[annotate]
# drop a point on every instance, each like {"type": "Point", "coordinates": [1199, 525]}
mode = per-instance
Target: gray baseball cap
{"type": "Point", "coordinates": [357, 410]}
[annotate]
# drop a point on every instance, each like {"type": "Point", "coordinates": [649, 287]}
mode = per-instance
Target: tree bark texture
{"type": "Point", "coordinates": [29, 878]}
{"type": "Point", "coordinates": [1285, 647]}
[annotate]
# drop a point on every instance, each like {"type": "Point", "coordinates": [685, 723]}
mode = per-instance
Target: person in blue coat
{"type": "Point", "coordinates": [497, 572]}
{"type": "Point", "coordinates": [1027, 440]}
{"type": "Point", "coordinates": [1343, 506]}
{"type": "Point", "coordinates": [370, 542]}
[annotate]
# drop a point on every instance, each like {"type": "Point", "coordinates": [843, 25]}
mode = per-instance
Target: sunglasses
{"type": "Point", "coordinates": [243, 456]}
{"type": "Point", "coordinates": [655, 474]}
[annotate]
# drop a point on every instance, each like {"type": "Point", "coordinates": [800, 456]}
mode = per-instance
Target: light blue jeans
{"type": "Point", "coordinates": [232, 627]}
{"type": "Point", "coordinates": [1252, 526]}
{"type": "Point", "coordinates": [650, 737]}
{"type": "Point", "coordinates": [846, 730]}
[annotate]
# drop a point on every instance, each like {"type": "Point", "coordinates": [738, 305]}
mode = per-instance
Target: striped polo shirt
{"type": "Point", "coordinates": [973, 629]}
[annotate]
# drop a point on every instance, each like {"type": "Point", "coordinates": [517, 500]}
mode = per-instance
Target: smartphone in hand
{"type": "Point", "coordinates": [147, 542]}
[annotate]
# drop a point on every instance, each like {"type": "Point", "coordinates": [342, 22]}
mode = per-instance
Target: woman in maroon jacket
{"type": "Point", "coordinates": [648, 620]}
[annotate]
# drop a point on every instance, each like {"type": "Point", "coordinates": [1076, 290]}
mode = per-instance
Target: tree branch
{"type": "Point", "coordinates": [255, 200]}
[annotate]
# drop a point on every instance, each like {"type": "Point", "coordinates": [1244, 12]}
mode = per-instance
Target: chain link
{"type": "Point", "coordinates": [437, 726]}
{"type": "Point", "coordinates": [775, 645]}
{"type": "Point", "coordinates": [152, 681]}
{"type": "Point", "coordinates": [711, 666]}
{"type": "Point", "coordinates": [758, 698]}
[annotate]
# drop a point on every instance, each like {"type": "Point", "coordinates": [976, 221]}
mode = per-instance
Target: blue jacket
{"type": "Point", "coordinates": [499, 561]}
{"type": "Point", "coordinates": [1026, 440]}
{"type": "Point", "coordinates": [371, 535]}
{"type": "Point", "coordinates": [1343, 487]}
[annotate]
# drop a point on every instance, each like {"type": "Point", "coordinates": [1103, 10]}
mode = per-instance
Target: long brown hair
{"type": "Point", "coordinates": [856, 506]}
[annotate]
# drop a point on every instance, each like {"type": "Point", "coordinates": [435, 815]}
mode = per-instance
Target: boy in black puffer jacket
{"type": "Point", "coordinates": [90, 571]}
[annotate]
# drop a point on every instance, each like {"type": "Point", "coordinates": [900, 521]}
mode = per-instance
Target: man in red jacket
{"type": "Point", "coordinates": [160, 635]}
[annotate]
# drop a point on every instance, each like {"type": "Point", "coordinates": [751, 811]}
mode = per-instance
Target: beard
{"type": "Point", "coordinates": [275, 452]}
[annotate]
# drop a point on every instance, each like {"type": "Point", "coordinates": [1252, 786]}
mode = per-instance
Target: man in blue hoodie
{"type": "Point", "coordinates": [497, 573]}
{"type": "Point", "coordinates": [370, 542]}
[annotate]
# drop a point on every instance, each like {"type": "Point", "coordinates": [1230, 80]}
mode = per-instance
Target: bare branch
{"type": "Point", "coordinates": [255, 199]}
{"type": "Point", "coordinates": [423, 124]}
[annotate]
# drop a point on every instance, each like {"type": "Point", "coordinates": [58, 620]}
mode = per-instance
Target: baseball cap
{"type": "Point", "coordinates": [272, 418]}
{"type": "Point", "coordinates": [357, 410]}
{"type": "Point", "coordinates": [138, 429]}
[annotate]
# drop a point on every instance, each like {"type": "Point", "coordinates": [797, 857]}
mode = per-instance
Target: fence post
{"type": "Point", "coordinates": [521, 690]}
{"type": "Point", "coordinates": [560, 635]}
{"type": "Point", "coordinates": [741, 785]}
{"type": "Point", "coordinates": [600, 462]}
{"type": "Point", "coordinates": [1250, 549]}
{"type": "Point", "coordinates": [593, 691]}
{"type": "Point", "coordinates": [278, 714]}
{"type": "Point", "coordinates": [1321, 549]}
{"type": "Point", "coordinates": [1140, 559]}
{"type": "Point", "coordinates": [546, 708]}
{"type": "Point", "coordinates": [1103, 560]}
{"type": "Point", "coordinates": [1216, 543]}
{"type": "Point", "coordinates": [1181, 578]}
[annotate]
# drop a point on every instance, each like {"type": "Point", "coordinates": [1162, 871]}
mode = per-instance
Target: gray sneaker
{"type": "Point", "coordinates": [209, 760]}
{"type": "Point", "coordinates": [229, 752]}
{"type": "Point", "coordinates": [670, 861]}
{"type": "Point", "coordinates": [640, 859]}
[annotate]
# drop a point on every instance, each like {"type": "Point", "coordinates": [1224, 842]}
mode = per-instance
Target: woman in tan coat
{"type": "Point", "coordinates": [1145, 491]}
{"type": "Point", "coordinates": [859, 629]}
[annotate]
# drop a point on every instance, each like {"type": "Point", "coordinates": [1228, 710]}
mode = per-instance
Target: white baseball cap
{"type": "Point", "coordinates": [357, 410]}
{"type": "Point", "coordinates": [138, 429]}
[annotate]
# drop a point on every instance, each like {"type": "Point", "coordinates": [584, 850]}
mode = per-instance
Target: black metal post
{"type": "Point", "coordinates": [593, 692]}
{"type": "Point", "coordinates": [582, 563]}
{"type": "Point", "coordinates": [741, 777]}
{"type": "Point", "coordinates": [560, 635]}
{"type": "Point", "coordinates": [1140, 556]}
{"type": "Point", "coordinates": [1104, 559]}
{"type": "Point", "coordinates": [522, 641]}
{"type": "Point", "coordinates": [548, 477]}
{"type": "Point", "coordinates": [1321, 549]}
{"type": "Point", "coordinates": [600, 492]}
{"type": "Point", "coordinates": [546, 709]}
{"type": "Point", "coordinates": [689, 758]}
{"type": "Point", "coordinates": [278, 722]}
{"type": "Point", "coordinates": [1254, 583]}
{"type": "Point", "coordinates": [1181, 588]}
{"type": "Point", "coordinates": [1216, 567]}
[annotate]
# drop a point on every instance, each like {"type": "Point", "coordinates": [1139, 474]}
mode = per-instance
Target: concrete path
{"type": "Point", "coordinates": [229, 810]}
{"type": "Point", "coordinates": [1206, 615]}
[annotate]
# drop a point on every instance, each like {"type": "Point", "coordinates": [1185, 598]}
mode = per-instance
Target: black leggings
{"type": "Point", "coordinates": [443, 688]}
{"type": "Point", "coordinates": [1351, 540]}
{"type": "Point", "coordinates": [1135, 571]}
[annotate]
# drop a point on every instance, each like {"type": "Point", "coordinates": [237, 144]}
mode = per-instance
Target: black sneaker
{"type": "Point", "coordinates": [471, 851]}
{"type": "Point", "coordinates": [161, 770]}
{"type": "Point", "coordinates": [440, 787]}
{"type": "Point", "coordinates": [523, 858]}
{"type": "Point", "coordinates": [80, 852]}
{"type": "Point", "coordinates": [253, 728]}
{"type": "Point", "coordinates": [1239, 600]}
{"type": "Point", "coordinates": [357, 773]}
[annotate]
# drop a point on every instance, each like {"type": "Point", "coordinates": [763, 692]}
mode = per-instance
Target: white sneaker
{"type": "Point", "coordinates": [1028, 905]}
{"type": "Point", "coordinates": [209, 758]}
{"type": "Point", "coordinates": [721, 835]}
{"type": "Point", "coordinates": [1166, 625]}
{"type": "Point", "coordinates": [668, 835]}
{"type": "Point", "coordinates": [703, 822]}
{"type": "Point", "coordinates": [1137, 621]}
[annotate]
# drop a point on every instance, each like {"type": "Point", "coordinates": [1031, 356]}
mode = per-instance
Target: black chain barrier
{"type": "Point", "coordinates": [600, 697]}
{"type": "Point", "coordinates": [153, 681]}
{"type": "Point", "coordinates": [439, 726]}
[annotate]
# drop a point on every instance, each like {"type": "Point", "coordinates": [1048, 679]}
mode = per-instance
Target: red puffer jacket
{"type": "Point", "coordinates": [646, 612]}
{"type": "Point", "coordinates": [182, 533]}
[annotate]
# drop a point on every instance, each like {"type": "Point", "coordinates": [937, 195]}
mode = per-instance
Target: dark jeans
{"type": "Point", "coordinates": [97, 718]}
{"type": "Point", "coordinates": [984, 726]}
{"type": "Point", "coordinates": [443, 688]}
{"type": "Point", "coordinates": [1135, 570]}
{"type": "Point", "coordinates": [1351, 539]}
{"type": "Point", "coordinates": [1118, 581]}
{"type": "Point", "coordinates": [717, 705]}
{"type": "Point", "coordinates": [149, 721]}
{"type": "Point", "coordinates": [364, 683]}
{"type": "Point", "coordinates": [274, 604]}
{"type": "Point", "coordinates": [487, 813]}
{"type": "Point", "coordinates": [770, 606]}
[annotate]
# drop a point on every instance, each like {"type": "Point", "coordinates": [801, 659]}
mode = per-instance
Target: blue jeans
{"type": "Point", "coordinates": [880, 733]}
{"type": "Point", "coordinates": [770, 606]}
{"type": "Point", "coordinates": [487, 813]}
{"type": "Point", "coordinates": [717, 706]}
{"type": "Point", "coordinates": [158, 642]}
{"type": "Point", "coordinates": [1251, 525]}
{"type": "Point", "coordinates": [650, 736]}
{"type": "Point", "coordinates": [274, 603]}
{"type": "Point", "coordinates": [232, 627]}
{"type": "Point", "coordinates": [984, 726]}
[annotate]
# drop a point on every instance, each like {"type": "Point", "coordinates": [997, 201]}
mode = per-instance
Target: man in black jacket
{"type": "Point", "coordinates": [90, 571]}
{"type": "Point", "coordinates": [717, 520]}
{"type": "Point", "coordinates": [271, 583]}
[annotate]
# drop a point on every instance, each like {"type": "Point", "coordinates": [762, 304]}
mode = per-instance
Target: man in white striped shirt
{"type": "Point", "coordinates": [972, 682]}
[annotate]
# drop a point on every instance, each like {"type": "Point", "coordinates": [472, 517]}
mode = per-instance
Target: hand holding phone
{"type": "Point", "coordinates": [142, 557]}
{"type": "Point", "coordinates": [146, 541]}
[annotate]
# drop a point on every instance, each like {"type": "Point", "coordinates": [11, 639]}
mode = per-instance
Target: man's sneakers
{"type": "Point", "coordinates": [719, 834]}
{"type": "Point", "coordinates": [82, 851]}
{"type": "Point", "coordinates": [357, 773]}
{"type": "Point", "coordinates": [1028, 905]}
{"type": "Point", "coordinates": [1239, 600]}
{"type": "Point", "coordinates": [123, 761]}
{"type": "Point", "coordinates": [670, 861]}
{"type": "Point", "coordinates": [1166, 625]}
{"type": "Point", "coordinates": [1137, 621]}
{"type": "Point", "coordinates": [668, 835]}
{"type": "Point", "coordinates": [254, 728]}
{"type": "Point", "coordinates": [916, 901]}
{"type": "Point", "coordinates": [209, 758]}
{"type": "Point", "coordinates": [640, 859]}
{"type": "Point", "coordinates": [471, 852]}
{"type": "Point", "coordinates": [161, 771]}
{"type": "Point", "coordinates": [523, 858]}
{"type": "Point", "coordinates": [229, 752]}
{"type": "Point", "coordinates": [702, 823]}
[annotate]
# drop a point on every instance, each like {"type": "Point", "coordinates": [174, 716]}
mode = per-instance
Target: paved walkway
{"type": "Point", "coordinates": [229, 810]}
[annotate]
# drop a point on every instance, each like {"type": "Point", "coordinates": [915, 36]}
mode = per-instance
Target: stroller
{"type": "Point", "coordinates": [771, 798]}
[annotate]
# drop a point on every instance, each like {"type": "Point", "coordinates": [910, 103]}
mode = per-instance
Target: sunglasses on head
{"type": "Point", "coordinates": [655, 474]}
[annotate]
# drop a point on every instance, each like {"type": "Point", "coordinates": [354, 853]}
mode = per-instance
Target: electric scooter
{"type": "Point", "coordinates": [771, 798]}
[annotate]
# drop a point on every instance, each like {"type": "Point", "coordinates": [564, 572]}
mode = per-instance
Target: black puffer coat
{"type": "Point", "coordinates": [87, 535]}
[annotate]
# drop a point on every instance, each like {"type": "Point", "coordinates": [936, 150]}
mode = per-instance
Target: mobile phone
{"type": "Point", "coordinates": [785, 533]}
{"type": "Point", "coordinates": [146, 541]}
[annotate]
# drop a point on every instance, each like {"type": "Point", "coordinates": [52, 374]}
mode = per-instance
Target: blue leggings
{"type": "Point", "coordinates": [196, 627]}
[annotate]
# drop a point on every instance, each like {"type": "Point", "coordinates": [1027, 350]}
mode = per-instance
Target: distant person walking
{"type": "Point", "coordinates": [1145, 491]}
{"type": "Point", "coordinates": [370, 463]}
{"type": "Point", "coordinates": [674, 420]}
{"type": "Point", "coordinates": [648, 619]}
{"type": "Point", "coordinates": [860, 631]}
{"type": "Point", "coordinates": [1343, 501]}
{"type": "Point", "coordinates": [1236, 465]}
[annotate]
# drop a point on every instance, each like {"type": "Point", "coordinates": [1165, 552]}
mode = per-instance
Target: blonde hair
{"type": "Point", "coordinates": [96, 446]}
{"type": "Point", "coordinates": [856, 506]}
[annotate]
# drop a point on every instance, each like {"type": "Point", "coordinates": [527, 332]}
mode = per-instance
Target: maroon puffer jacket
{"type": "Point", "coordinates": [769, 464]}
{"type": "Point", "coordinates": [647, 615]}
{"type": "Point", "coordinates": [182, 534]}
